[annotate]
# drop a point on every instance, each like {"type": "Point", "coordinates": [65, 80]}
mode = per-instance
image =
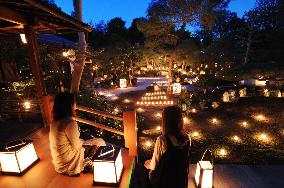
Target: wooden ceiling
{"type": "Point", "coordinates": [14, 14]}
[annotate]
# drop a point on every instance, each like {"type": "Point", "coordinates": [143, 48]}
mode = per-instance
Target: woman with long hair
{"type": "Point", "coordinates": [169, 164]}
{"type": "Point", "coordinates": [66, 147]}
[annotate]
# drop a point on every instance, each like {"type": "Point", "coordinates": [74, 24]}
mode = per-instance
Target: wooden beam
{"type": "Point", "coordinates": [92, 111]}
{"type": "Point", "coordinates": [13, 16]}
{"type": "Point", "coordinates": [130, 132]}
{"type": "Point", "coordinates": [98, 125]}
{"type": "Point", "coordinates": [36, 70]}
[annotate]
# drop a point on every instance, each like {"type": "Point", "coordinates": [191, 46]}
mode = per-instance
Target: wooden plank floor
{"type": "Point", "coordinates": [43, 175]}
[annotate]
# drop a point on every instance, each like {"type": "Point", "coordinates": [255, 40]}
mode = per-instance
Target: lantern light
{"type": "Point", "coordinates": [148, 143]}
{"type": "Point", "coordinates": [107, 166]}
{"type": "Point", "coordinates": [214, 120]}
{"type": "Point", "coordinates": [23, 38]}
{"type": "Point", "coordinates": [244, 123]}
{"type": "Point", "coordinates": [16, 159]}
{"type": "Point", "coordinates": [195, 134]}
{"type": "Point", "coordinates": [193, 110]}
{"type": "Point", "coordinates": [204, 172]}
{"type": "Point", "coordinates": [27, 105]}
{"type": "Point", "coordinates": [158, 128]}
{"type": "Point", "coordinates": [222, 152]}
{"type": "Point", "coordinates": [236, 138]}
{"type": "Point", "coordinates": [122, 83]}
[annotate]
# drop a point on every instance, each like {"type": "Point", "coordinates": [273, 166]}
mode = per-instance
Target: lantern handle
{"type": "Point", "coordinates": [107, 152]}
{"type": "Point", "coordinates": [211, 154]}
{"type": "Point", "coordinates": [9, 147]}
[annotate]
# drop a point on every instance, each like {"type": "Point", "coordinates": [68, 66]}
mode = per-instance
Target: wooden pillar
{"type": "Point", "coordinates": [130, 132]}
{"type": "Point", "coordinates": [37, 73]}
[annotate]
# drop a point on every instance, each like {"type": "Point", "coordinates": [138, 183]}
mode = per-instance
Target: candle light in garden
{"type": "Point", "coordinates": [185, 120]}
{"type": "Point", "coordinates": [158, 115]}
{"type": "Point", "coordinates": [195, 134]}
{"type": "Point", "coordinates": [193, 110]}
{"type": "Point", "coordinates": [148, 143]}
{"type": "Point", "coordinates": [140, 110]}
{"type": "Point", "coordinates": [236, 138]}
{"type": "Point", "coordinates": [23, 38]}
{"type": "Point", "coordinates": [263, 136]}
{"type": "Point", "coordinates": [244, 123]}
{"type": "Point", "coordinates": [27, 105]}
{"type": "Point", "coordinates": [222, 152]}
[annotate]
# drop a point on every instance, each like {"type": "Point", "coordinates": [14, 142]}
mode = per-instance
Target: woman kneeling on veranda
{"type": "Point", "coordinates": [66, 147]}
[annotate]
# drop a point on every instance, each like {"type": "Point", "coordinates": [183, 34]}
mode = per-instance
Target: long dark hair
{"type": "Point", "coordinates": [172, 123]}
{"type": "Point", "coordinates": [63, 106]}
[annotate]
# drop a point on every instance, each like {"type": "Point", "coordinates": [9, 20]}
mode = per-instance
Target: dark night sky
{"type": "Point", "coordinates": [96, 10]}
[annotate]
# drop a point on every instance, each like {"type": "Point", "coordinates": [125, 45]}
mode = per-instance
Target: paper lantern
{"type": "Point", "coordinates": [204, 172]}
{"type": "Point", "coordinates": [122, 83]}
{"type": "Point", "coordinates": [176, 88]}
{"type": "Point", "coordinates": [107, 164]}
{"type": "Point", "coordinates": [17, 157]}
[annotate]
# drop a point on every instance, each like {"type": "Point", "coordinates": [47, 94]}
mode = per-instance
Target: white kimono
{"type": "Point", "coordinates": [66, 146]}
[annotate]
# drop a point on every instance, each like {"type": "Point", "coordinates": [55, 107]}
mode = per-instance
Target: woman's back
{"type": "Point", "coordinates": [172, 166]}
{"type": "Point", "coordinates": [66, 147]}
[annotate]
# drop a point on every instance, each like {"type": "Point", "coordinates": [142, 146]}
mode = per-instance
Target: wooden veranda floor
{"type": "Point", "coordinates": [43, 175]}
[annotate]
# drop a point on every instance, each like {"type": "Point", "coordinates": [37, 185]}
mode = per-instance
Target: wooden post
{"type": "Point", "coordinates": [130, 132]}
{"type": "Point", "coordinates": [35, 65]}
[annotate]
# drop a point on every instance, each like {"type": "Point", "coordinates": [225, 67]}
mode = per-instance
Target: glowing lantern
{"type": "Point", "coordinates": [214, 120]}
{"type": "Point", "coordinates": [193, 110]}
{"type": "Point", "coordinates": [204, 172]}
{"type": "Point", "coordinates": [23, 38]}
{"type": "Point", "coordinates": [122, 83]}
{"type": "Point", "coordinates": [107, 165]}
{"type": "Point", "coordinates": [27, 105]}
{"type": "Point", "coordinates": [244, 123]}
{"type": "Point", "coordinates": [18, 158]}
{"type": "Point", "coordinates": [148, 144]}
{"type": "Point", "coordinates": [158, 128]}
{"type": "Point", "coordinates": [184, 107]}
{"type": "Point", "coordinates": [236, 138]}
{"type": "Point", "coordinates": [176, 88]}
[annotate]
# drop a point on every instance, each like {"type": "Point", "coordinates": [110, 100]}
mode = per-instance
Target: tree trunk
{"type": "Point", "coordinates": [82, 46]}
{"type": "Point", "coordinates": [248, 47]}
{"type": "Point", "coordinates": [173, 56]}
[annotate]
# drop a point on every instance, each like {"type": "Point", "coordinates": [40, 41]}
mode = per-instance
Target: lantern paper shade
{"type": "Point", "coordinates": [16, 159]}
{"type": "Point", "coordinates": [108, 166]}
{"type": "Point", "coordinates": [122, 83]}
{"type": "Point", "coordinates": [176, 88]}
{"type": "Point", "coordinates": [204, 174]}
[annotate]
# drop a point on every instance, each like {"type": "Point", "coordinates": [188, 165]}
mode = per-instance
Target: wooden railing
{"type": "Point", "coordinates": [129, 126]}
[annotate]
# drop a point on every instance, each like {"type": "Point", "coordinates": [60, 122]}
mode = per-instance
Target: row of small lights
{"type": "Point", "coordinates": [153, 103]}
{"type": "Point", "coordinates": [156, 93]}
{"type": "Point", "coordinates": [156, 97]}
